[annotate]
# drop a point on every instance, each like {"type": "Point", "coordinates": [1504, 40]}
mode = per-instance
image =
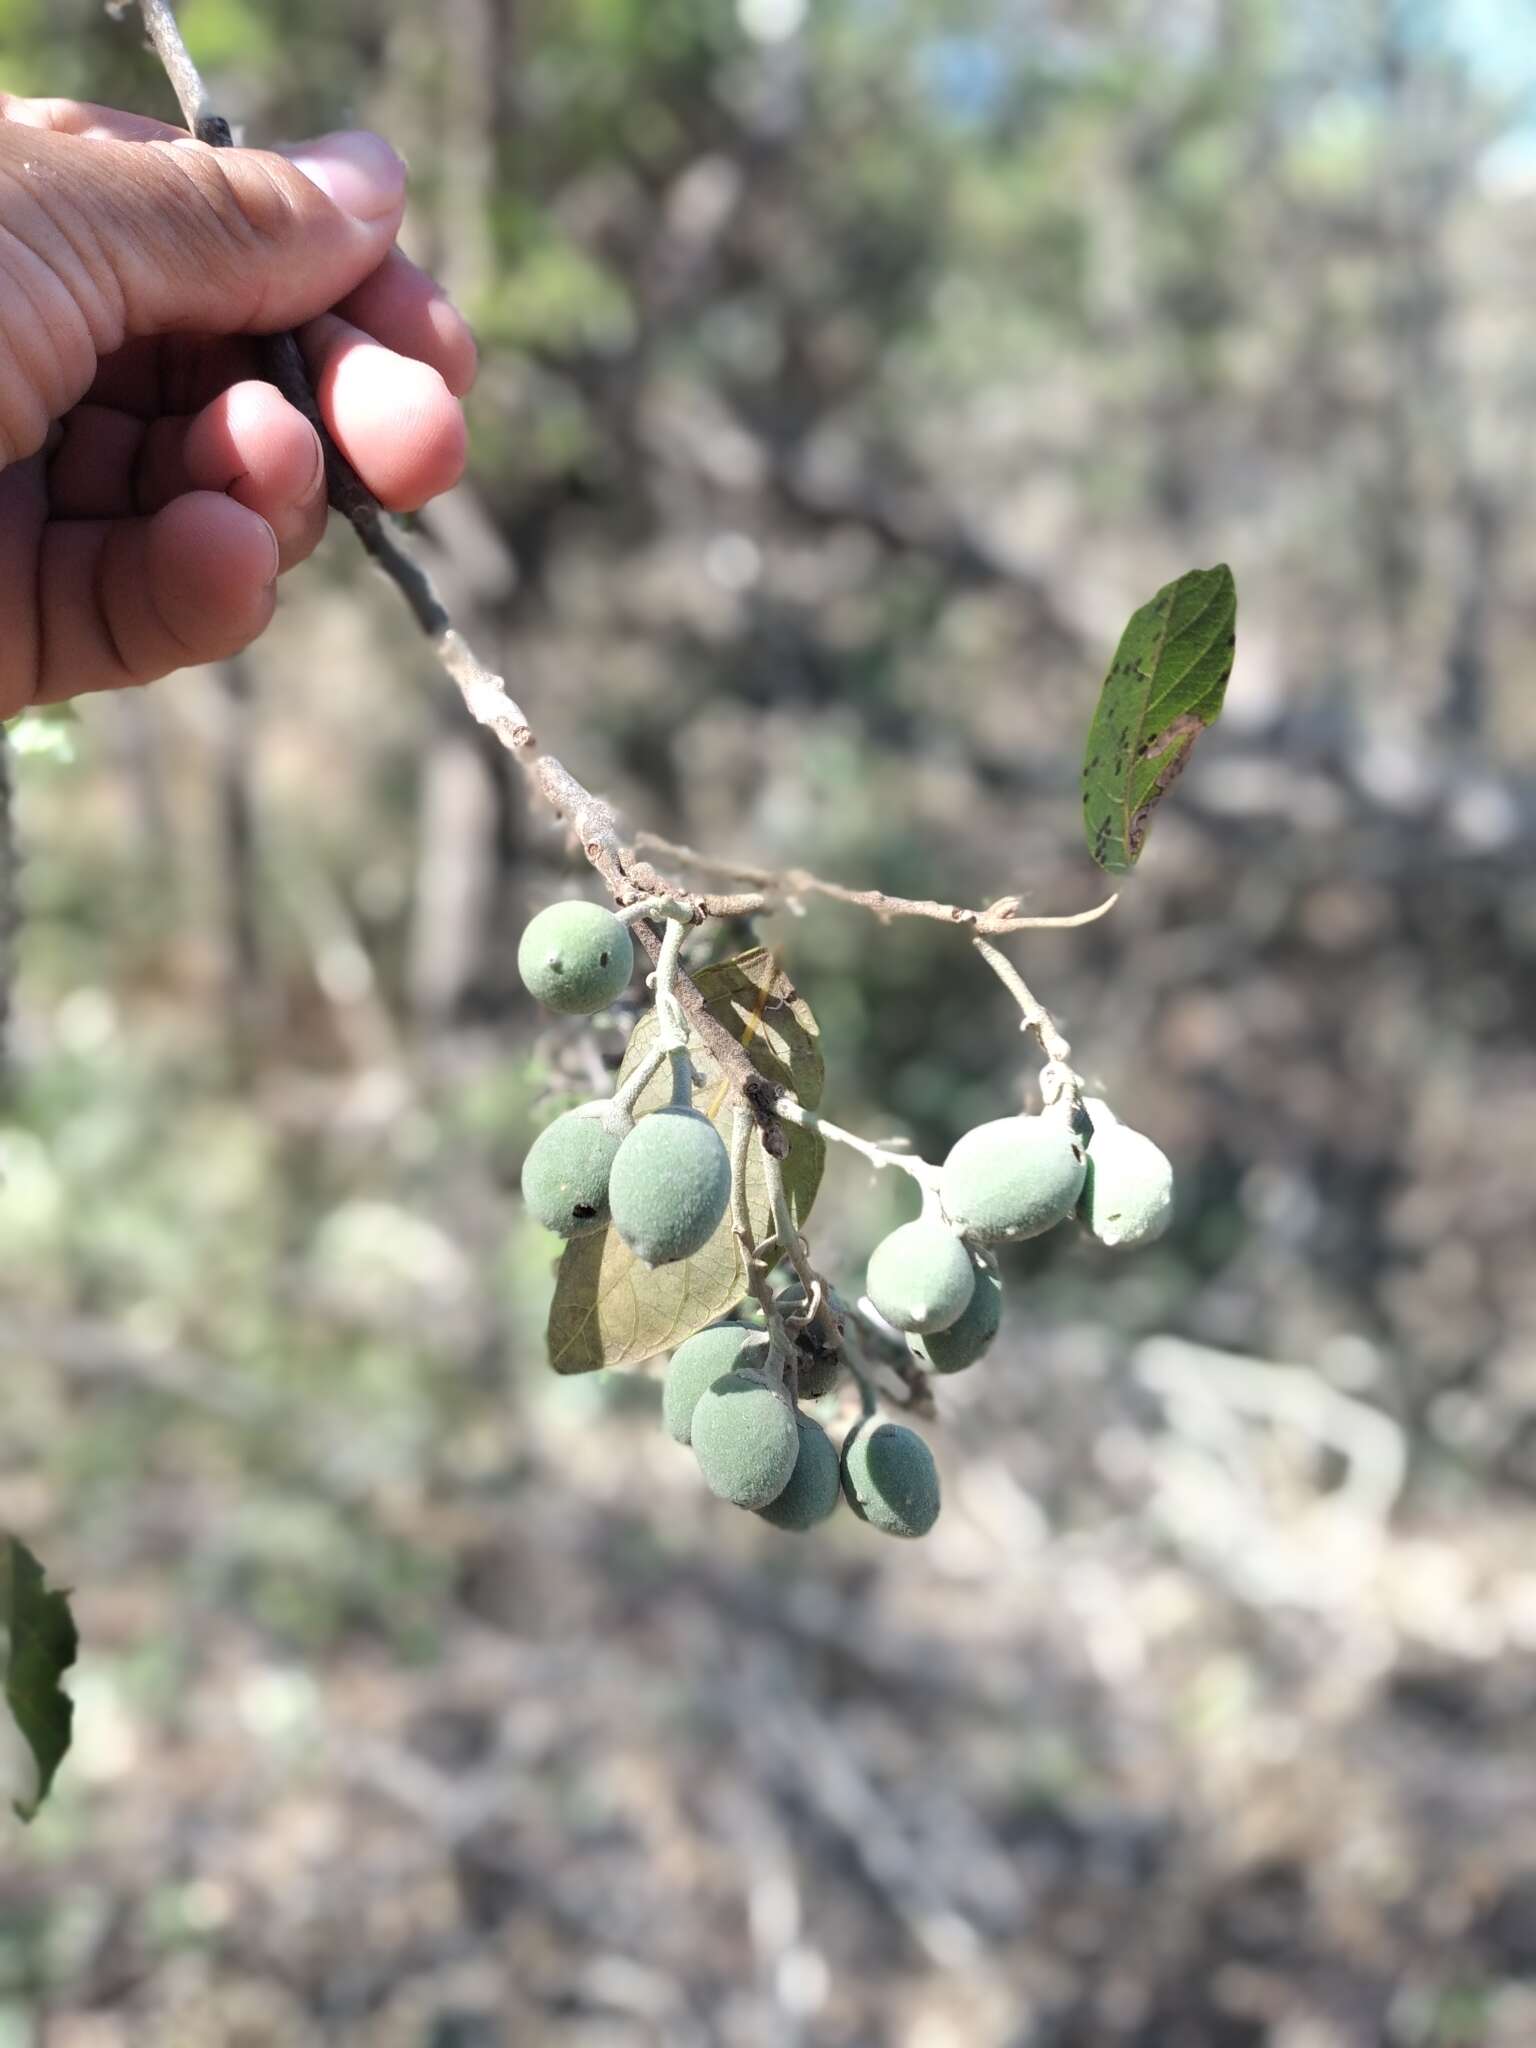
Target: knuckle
{"type": "Point", "coordinates": [225, 215]}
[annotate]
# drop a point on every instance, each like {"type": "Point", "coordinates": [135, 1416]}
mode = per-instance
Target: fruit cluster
{"type": "Point", "coordinates": [735, 1391]}
{"type": "Point", "coordinates": [723, 1396]}
{"type": "Point", "coordinates": [663, 1182]}
{"type": "Point", "coordinates": [936, 1279]}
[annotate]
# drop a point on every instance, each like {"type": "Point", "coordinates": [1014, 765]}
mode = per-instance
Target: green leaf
{"type": "Point", "coordinates": [37, 1646]}
{"type": "Point", "coordinates": [1164, 687]}
{"type": "Point", "coordinates": [611, 1310]}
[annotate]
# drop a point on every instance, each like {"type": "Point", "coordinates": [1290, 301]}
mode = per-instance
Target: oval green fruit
{"type": "Point", "coordinates": [965, 1340]}
{"type": "Point", "coordinates": [813, 1488]}
{"type": "Point", "coordinates": [889, 1478]}
{"type": "Point", "coordinates": [1013, 1178]}
{"type": "Point", "coordinates": [694, 1365]}
{"type": "Point", "coordinates": [1127, 1196]}
{"type": "Point", "coordinates": [565, 1173]}
{"type": "Point", "coordinates": [576, 957]}
{"type": "Point", "coordinates": [920, 1278]}
{"type": "Point", "coordinates": [670, 1185]}
{"type": "Point", "coordinates": [745, 1440]}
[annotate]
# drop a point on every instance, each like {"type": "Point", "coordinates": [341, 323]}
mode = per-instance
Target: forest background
{"type": "Point", "coordinates": [850, 368]}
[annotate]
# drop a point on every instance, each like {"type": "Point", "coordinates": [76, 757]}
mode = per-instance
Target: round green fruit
{"type": "Point", "coordinates": [694, 1365]}
{"type": "Point", "coordinates": [565, 1173]}
{"type": "Point", "coordinates": [745, 1440]}
{"type": "Point", "coordinates": [890, 1478]}
{"type": "Point", "coordinates": [920, 1278]}
{"type": "Point", "coordinates": [965, 1340]}
{"type": "Point", "coordinates": [670, 1185]}
{"type": "Point", "coordinates": [1127, 1196]}
{"type": "Point", "coordinates": [1013, 1178]}
{"type": "Point", "coordinates": [813, 1487]}
{"type": "Point", "coordinates": [576, 957]}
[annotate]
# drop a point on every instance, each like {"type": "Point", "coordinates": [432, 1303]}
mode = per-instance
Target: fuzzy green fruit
{"type": "Point", "coordinates": [921, 1276]}
{"type": "Point", "coordinates": [1013, 1178]}
{"type": "Point", "coordinates": [565, 1173]}
{"type": "Point", "coordinates": [576, 957]}
{"type": "Point", "coordinates": [745, 1440]}
{"type": "Point", "coordinates": [890, 1478]}
{"type": "Point", "coordinates": [952, 1350]}
{"type": "Point", "coordinates": [697, 1363]}
{"type": "Point", "coordinates": [815, 1485]}
{"type": "Point", "coordinates": [1127, 1195]}
{"type": "Point", "coordinates": [670, 1185]}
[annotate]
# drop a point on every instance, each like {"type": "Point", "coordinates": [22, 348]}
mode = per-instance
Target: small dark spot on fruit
{"type": "Point", "coordinates": [602, 959]}
{"type": "Point", "coordinates": [583, 1211]}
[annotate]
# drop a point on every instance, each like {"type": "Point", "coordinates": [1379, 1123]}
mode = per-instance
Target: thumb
{"type": "Point", "coordinates": [227, 241]}
{"type": "Point", "coordinates": [129, 239]}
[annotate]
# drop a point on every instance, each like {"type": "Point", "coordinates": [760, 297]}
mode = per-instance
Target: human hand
{"type": "Point", "coordinates": [152, 486]}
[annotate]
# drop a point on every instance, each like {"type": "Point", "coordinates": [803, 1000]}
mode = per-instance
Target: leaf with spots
{"type": "Point", "coordinates": [37, 1646]}
{"type": "Point", "coordinates": [1164, 687]}
{"type": "Point", "coordinates": [611, 1310]}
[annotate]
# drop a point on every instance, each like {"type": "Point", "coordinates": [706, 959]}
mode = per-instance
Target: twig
{"type": "Point", "coordinates": [742, 1129]}
{"type": "Point", "coordinates": [879, 1156]}
{"type": "Point", "coordinates": [998, 920]}
{"type": "Point", "coordinates": [889, 1353]}
{"type": "Point", "coordinates": [594, 822]}
{"type": "Point", "coordinates": [1037, 1017]}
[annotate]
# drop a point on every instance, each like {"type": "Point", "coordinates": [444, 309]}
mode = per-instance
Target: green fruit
{"type": "Point", "coordinates": [890, 1478]}
{"type": "Point", "coordinates": [698, 1362]}
{"type": "Point", "coordinates": [921, 1276]}
{"type": "Point", "coordinates": [745, 1439]}
{"type": "Point", "coordinates": [670, 1185]}
{"type": "Point", "coordinates": [1127, 1195]}
{"type": "Point", "coordinates": [1013, 1178]}
{"type": "Point", "coordinates": [813, 1487]}
{"type": "Point", "coordinates": [952, 1350]}
{"type": "Point", "coordinates": [565, 1174]}
{"type": "Point", "coordinates": [576, 957]}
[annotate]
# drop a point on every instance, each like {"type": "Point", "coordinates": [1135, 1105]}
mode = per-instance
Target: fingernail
{"type": "Point", "coordinates": [277, 560]}
{"type": "Point", "coordinates": [355, 168]}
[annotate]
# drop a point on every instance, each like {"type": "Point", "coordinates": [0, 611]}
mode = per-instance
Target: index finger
{"type": "Point", "coordinates": [83, 117]}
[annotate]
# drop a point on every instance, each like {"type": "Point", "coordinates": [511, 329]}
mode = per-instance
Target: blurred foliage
{"type": "Point", "coordinates": [848, 371]}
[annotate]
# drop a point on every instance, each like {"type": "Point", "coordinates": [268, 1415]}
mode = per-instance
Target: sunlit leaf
{"type": "Point", "coordinates": [611, 1310]}
{"type": "Point", "coordinates": [1164, 687]}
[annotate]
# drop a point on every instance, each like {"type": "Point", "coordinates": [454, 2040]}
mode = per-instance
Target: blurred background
{"type": "Point", "coordinates": [850, 369]}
